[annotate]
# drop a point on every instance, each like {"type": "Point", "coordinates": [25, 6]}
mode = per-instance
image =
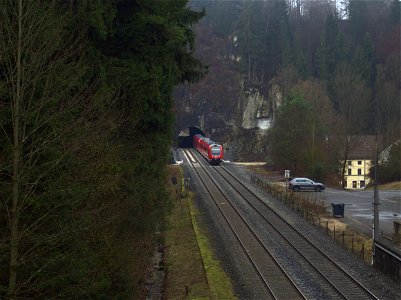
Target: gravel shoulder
{"type": "Point", "coordinates": [383, 287]}
{"type": "Point", "coordinates": [236, 265]}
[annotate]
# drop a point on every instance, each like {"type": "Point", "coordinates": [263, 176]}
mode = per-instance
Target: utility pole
{"type": "Point", "coordinates": [376, 200]}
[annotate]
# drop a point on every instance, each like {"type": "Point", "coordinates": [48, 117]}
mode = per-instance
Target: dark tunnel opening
{"type": "Point", "coordinates": [185, 137]}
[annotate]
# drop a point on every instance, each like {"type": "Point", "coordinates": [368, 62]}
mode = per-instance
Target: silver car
{"type": "Point", "coordinates": [298, 184]}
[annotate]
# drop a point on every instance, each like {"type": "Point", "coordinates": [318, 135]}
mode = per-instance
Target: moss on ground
{"type": "Point", "coordinates": [219, 283]}
{"type": "Point", "coordinates": [192, 271]}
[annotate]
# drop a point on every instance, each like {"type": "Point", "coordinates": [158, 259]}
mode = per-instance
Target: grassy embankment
{"type": "Point", "coordinates": [192, 271]}
{"type": "Point", "coordinates": [389, 186]}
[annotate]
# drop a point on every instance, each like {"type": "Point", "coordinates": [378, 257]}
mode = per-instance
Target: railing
{"type": "Point", "coordinates": [315, 211]}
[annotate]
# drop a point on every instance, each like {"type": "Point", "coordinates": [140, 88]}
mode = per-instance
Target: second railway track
{"type": "Point", "coordinates": [336, 282]}
{"type": "Point", "coordinates": [278, 283]}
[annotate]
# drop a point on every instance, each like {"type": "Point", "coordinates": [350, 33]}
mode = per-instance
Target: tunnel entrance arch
{"type": "Point", "coordinates": [186, 135]}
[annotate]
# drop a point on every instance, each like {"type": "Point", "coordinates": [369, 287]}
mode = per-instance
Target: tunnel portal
{"type": "Point", "coordinates": [186, 135]}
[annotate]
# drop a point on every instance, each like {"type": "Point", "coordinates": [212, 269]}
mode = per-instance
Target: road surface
{"type": "Point", "coordinates": [358, 208]}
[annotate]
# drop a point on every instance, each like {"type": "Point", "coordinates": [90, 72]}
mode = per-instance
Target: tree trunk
{"type": "Point", "coordinates": [14, 214]}
{"type": "Point", "coordinates": [313, 149]}
{"type": "Point", "coordinates": [249, 67]}
{"type": "Point", "coordinates": [262, 75]}
{"type": "Point", "coordinates": [344, 162]}
{"type": "Point", "coordinates": [253, 72]}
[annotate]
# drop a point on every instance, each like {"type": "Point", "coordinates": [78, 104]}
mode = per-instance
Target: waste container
{"type": "Point", "coordinates": [338, 210]}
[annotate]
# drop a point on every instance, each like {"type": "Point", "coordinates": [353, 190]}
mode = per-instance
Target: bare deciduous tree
{"type": "Point", "coordinates": [352, 98]}
{"type": "Point", "coordinates": [39, 86]}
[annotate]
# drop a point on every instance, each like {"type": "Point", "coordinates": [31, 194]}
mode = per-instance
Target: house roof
{"type": "Point", "coordinates": [362, 147]}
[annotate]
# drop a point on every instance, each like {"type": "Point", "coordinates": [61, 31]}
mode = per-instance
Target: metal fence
{"type": "Point", "coordinates": [315, 211]}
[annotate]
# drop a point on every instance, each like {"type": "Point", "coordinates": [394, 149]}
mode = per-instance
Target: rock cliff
{"type": "Point", "coordinates": [224, 105]}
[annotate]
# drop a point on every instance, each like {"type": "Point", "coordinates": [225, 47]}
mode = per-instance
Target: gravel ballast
{"type": "Point", "coordinates": [241, 272]}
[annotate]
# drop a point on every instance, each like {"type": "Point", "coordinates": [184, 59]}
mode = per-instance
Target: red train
{"type": "Point", "coordinates": [212, 151]}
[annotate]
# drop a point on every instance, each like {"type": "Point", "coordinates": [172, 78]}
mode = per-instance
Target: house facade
{"type": "Point", "coordinates": [360, 157]}
{"type": "Point", "coordinates": [357, 173]}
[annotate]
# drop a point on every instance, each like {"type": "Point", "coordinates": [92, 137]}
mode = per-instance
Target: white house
{"type": "Point", "coordinates": [361, 155]}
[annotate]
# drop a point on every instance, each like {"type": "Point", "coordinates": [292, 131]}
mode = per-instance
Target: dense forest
{"type": "Point", "coordinates": [338, 67]}
{"type": "Point", "coordinates": [86, 118]}
{"type": "Point", "coordinates": [85, 122]}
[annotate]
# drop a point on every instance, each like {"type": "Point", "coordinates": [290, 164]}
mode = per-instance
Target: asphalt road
{"type": "Point", "coordinates": [358, 208]}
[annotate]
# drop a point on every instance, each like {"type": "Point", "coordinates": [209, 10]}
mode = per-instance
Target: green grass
{"type": "Point", "coordinates": [219, 283]}
{"type": "Point", "coordinates": [388, 186]}
{"type": "Point", "coordinates": [192, 270]}
{"type": "Point", "coordinates": [391, 186]}
{"type": "Point", "coordinates": [186, 278]}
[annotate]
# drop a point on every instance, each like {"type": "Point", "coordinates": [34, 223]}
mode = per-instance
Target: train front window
{"type": "Point", "coordinates": [216, 151]}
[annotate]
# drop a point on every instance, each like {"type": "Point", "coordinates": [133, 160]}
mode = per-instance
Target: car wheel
{"type": "Point", "coordinates": [318, 189]}
{"type": "Point", "coordinates": [296, 188]}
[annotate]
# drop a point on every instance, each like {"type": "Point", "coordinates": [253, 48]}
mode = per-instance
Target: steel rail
{"type": "Point", "coordinates": [253, 262]}
{"type": "Point", "coordinates": [301, 235]}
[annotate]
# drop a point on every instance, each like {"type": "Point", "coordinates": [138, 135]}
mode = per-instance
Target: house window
{"type": "Point", "coordinates": [362, 184]}
{"type": "Point", "coordinates": [359, 162]}
{"type": "Point", "coordinates": [349, 162]}
{"type": "Point", "coordinates": [354, 184]}
{"type": "Point", "coordinates": [359, 171]}
{"type": "Point", "coordinates": [349, 171]}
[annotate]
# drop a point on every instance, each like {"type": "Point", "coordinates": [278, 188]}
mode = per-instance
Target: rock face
{"type": "Point", "coordinates": [223, 105]}
{"type": "Point", "coordinates": [254, 108]}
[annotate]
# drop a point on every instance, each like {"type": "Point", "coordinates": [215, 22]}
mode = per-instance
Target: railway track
{"type": "Point", "coordinates": [277, 281]}
{"type": "Point", "coordinates": [336, 281]}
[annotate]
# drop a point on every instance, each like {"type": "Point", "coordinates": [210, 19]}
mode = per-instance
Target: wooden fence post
{"type": "Point", "coordinates": [362, 254]}
{"type": "Point", "coordinates": [343, 238]}
{"type": "Point", "coordinates": [352, 243]}
{"type": "Point", "coordinates": [334, 233]}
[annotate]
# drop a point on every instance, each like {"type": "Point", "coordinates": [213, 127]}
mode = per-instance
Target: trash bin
{"type": "Point", "coordinates": [338, 210]}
